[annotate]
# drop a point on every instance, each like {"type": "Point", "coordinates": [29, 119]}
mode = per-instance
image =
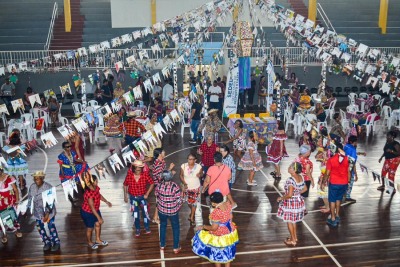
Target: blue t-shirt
{"type": "Point", "coordinates": [351, 151]}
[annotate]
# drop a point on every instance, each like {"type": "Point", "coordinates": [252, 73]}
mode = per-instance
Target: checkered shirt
{"type": "Point", "coordinates": [137, 188]}
{"type": "Point", "coordinates": [93, 194]}
{"type": "Point", "coordinates": [169, 199]}
{"type": "Point", "coordinates": [208, 153]}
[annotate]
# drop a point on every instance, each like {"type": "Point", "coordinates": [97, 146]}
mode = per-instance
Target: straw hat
{"type": "Point", "coordinates": [39, 174]}
{"type": "Point", "coordinates": [131, 114]}
{"type": "Point", "coordinates": [138, 163]}
{"type": "Point", "coordinates": [212, 110]}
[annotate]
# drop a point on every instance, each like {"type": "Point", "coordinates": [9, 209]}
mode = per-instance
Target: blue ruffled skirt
{"type": "Point", "coordinates": [216, 249]}
{"type": "Point", "coordinates": [17, 166]}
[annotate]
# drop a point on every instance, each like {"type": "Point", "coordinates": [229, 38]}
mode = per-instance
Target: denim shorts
{"type": "Point", "coordinates": [336, 192]}
{"type": "Point", "coordinates": [89, 218]}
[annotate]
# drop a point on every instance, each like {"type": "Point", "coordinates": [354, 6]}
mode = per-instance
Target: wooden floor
{"type": "Point", "coordinates": [369, 234]}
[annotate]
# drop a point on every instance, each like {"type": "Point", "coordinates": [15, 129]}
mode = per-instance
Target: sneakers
{"type": "Point", "coordinates": [177, 250]}
{"type": "Point", "coordinates": [254, 183]}
{"type": "Point", "coordinates": [193, 142]}
{"type": "Point", "coordinates": [148, 232]}
{"type": "Point", "coordinates": [137, 232]}
{"type": "Point", "coordinates": [348, 199]}
{"type": "Point", "coordinates": [46, 247]}
{"type": "Point", "coordinates": [55, 248]}
{"type": "Point", "coordinates": [332, 223]}
{"type": "Point", "coordinates": [234, 206]}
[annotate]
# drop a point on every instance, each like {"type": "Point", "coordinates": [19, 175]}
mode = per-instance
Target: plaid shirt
{"type": "Point", "coordinates": [137, 188]}
{"type": "Point", "coordinates": [95, 195]}
{"type": "Point", "coordinates": [169, 199]}
{"type": "Point", "coordinates": [208, 153]}
{"type": "Point", "coordinates": [228, 161]}
{"type": "Point", "coordinates": [158, 168]}
{"type": "Point", "coordinates": [132, 128]}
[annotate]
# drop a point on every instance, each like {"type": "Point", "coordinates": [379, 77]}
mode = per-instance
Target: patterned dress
{"type": "Point", "coordinates": [246, 163]}
{"type": "Point", "coordinates": [71, 169]}
{"type": "Point", "coordinates": [274, 151]}
{"type": "Point", "coordinates": [17, 165]}
{"type": "Point", "coordinates": [7, 202]}
{"type": "Point", "coordinates": [240, 142]}
{"type": "Point", "coordinates": [217, 246]}
{"type": "Point", "coordinates": [292, 209]}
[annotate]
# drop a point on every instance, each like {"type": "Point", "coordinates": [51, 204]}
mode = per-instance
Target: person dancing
{"type": "Point", "coordinates": [391, 153]}
{"type": "Point", "coordinates": [277, 150]}
{"type": "Point", "coordinates": [239, 139]}
{"type": "Point", "coordinates": [251, 160]}
{"type": "Point", "coordinates": [292, 208]}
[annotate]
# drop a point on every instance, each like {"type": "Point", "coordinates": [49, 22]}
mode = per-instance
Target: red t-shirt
{"type": "Point", "coordinates": [95, 195]}
{"type": "Point", "coordinates": [339, 170]}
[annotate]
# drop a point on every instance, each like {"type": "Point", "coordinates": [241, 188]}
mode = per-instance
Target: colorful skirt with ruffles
{"type": "Point", "coordinates": [216, 249]}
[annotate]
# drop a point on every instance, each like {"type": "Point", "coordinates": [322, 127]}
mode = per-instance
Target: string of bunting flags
{"type": "Point", "coordinates": [374, 67]}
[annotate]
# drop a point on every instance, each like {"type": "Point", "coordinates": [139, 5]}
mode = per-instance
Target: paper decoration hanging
{"type": "Point", "coordinates": [66, 131]}
{"type": "Point", "coordinates": [23, 206]}
{"type": "Point", "coordinates": [115, 163]}
{"type": "Point", "coordinates": [82, 51]}
{"type": "Point", "coordinates": [65, 89]}
{"type": "Point", "coordinates": [175, 80]}
{"type": "Point", "coordinates": [17, 104]}
{"type": "Point", "coordinates": [69, 186]}
{"type": "Point", "coordinates": [23, 66]}
{"type": "Point", "coordinates": [128, 97]}
{"type": "Point", "coordinates": [150, 139]}
{"type": "Point", "coordinates": [136, 35]}
{"type": "Point", "coordinates": [137, 92]}
{"type": "Point", "coordinates": [80, 125]}
{"type": "Point", "coordinates": [34, 99]}
{"type": "Point", "coordinates": [118, 66]}
{"type": "Point", "coordinates": [389, 185]}
{"type": "Point", "coordinates": [49, 197]}
{"type": "Point", "coordinates": [105, 45]}
{"type": "Point", "coordinates": [128, 157]}
{"type": "Point", "coordinates": [159, 130]}
{"type": "Point", "coordinates": [3, 162]}
{"type": "Point", "coordinates": [167, 122]}
{"type": "Point", "coordinates": [101, 170]}
{"type": "Point", "coordinates": [165, 72]}
{"type": "Point", "coordinates": [2, 71]}
{"type": "Point", "coordinates": [49, 93]}
{"type": "Point", "coordinates": [143, 54]}
{"type": "Point", "coordinates": [10, 67]}
{"type": "Point", "coordinates": [115, 42]}
{"type": "Point", "coordinates": [13, 149]}
{"type": "Point", "coordinates": [126, 38]}
{"type": "Point", "coordinates": [363, 168]}
{"type": "Point", "coordinates": [48, 140]}
{"type": "Point", "coordinates": [174, 115]}
{"type": "Point", "coordinates": [376, 176]}
{"type": "Point", "coordinates": [147, 85]}
{"type": "Point", "coordinates": [156, 49]}
{"type": "Point", "coordinates": [105, 110]}
{"type": "Point", "coordinates": [131, 60]}
{"type": "Point", "coordinates": [4, 109]}
{"type": "Point", "coordinates": [116, 105]}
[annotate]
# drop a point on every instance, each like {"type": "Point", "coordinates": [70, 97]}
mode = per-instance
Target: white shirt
{"type": "Point", "coordinates": [167, 92]}
{"type": "Point", "coordinates": [216, 90]}
{"type": "Point", "coordinates": [156, 90]}
{"type": "Point", "coordinates": [192, 181]}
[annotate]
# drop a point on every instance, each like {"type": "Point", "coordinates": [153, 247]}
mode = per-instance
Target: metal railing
{"type": "Point", "coordinates": [325, 18]}
{"type": "Point", "coordinates": [61, 59]}
{"type": "Point", "coordinates": [53, 19]}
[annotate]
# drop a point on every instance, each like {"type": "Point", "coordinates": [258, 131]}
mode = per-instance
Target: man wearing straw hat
{"type": "Point", "coordinates": [135, 190]}
{"type": "Point", "coordinates": [44, 215]}
{"type": "Point", "coordinates": [132, 128]}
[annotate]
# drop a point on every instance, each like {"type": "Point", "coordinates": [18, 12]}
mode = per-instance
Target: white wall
{"type": "Point", "coordinates": [137, 13]}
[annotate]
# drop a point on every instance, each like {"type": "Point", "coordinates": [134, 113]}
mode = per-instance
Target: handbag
{"type": "Point", "coordinates": [205, 194]}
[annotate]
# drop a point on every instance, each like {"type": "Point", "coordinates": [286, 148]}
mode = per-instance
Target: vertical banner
{"type": "Point", "coordinates": [231, 92]}
{"type": "Point", "coordinates": [244, 73]}
{"type": "Point", "coordinates": [175, 77]}
{"type": "Point", "coordinates": [271, 81]}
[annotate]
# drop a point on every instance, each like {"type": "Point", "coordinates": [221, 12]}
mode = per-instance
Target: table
{"type": "Point", "coordinates": [265, 127]}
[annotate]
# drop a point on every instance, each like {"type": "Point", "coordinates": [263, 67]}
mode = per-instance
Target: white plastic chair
{"type": "Point", "coordinates": [352, 108]}
{"type": "Point", "coordinates": [185, 124]}
{"type": "Point", "coordinates": [370, 123]}
{"type": "Point", "coordinates": [59, 112]}
{"type": "Point", "coordinates": [380, 103]}
{"type": "Point", "coordinates": [3, 138]}
{"type": "Point", "coordinates": [77, 107]}
{"type": "Point", "coordinates": [63, 120]}
{"type": "Point", "coordinates": [27, 117]}
{"type": "Point", "coordinates": [4, 119]}
{"type": "Point", "coordinates": [92, 103]}
{"type": "Point", "coordinates": [377, 97]}
{"type": "Point", "coordinates": [345, 122]}
{"type": "Point", "coordinates": [386, 116]}
{"type": "Point", "coordinates": [99, 129]}
{"type": "Point", "coordinates": [139, 113]}
{"type": "Point", "coordinates": [363, 95]}
{"type": "Point", "coordinates": [331, 110]}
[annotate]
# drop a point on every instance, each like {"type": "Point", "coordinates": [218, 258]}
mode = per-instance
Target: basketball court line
{"type": "Point", "coordinates": [308, 227]}
{"type": "Point", "coordinates": [284, 249]}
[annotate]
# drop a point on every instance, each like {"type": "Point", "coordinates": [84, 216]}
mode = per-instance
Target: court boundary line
{"type": "Point", "coordinates": [283, 249]}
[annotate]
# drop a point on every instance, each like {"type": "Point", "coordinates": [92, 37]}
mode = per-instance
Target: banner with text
{"type": "Point", "coordinates": [231, 92]}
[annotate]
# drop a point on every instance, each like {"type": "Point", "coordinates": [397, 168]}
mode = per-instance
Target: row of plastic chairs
{"type": "Point", "coordinates": [247, 115]}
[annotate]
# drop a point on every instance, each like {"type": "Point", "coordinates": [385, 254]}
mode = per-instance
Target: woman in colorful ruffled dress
{"type": "Point", "coordinates": [251, 160]}
{"type": "Point", "coordinates": [277, 150]}
{"type": "Point", "coordinates": [17, 165]}
{"type": "Point", "coordinates": [292, 208]}
{"type": "Point", "coordinates": [217, 242]}
{"type": "Point", "coordinates": [239, 139]}
{"type": "Point", "coordinates": [9, 195]}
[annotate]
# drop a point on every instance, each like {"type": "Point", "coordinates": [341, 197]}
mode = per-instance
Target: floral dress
{"type": "Point", "coordinates": [70, 168]}
{"type": "Point", "coordinates": [293, 209]}
{"type": "Point", "coordinates": [246, 163]}
{"type": "Point", "coordinates": [274, 150]}
{"type": "Point", "coordinates": [240, 142]}
{"type": "Point", "coordinates": [217, 246]}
